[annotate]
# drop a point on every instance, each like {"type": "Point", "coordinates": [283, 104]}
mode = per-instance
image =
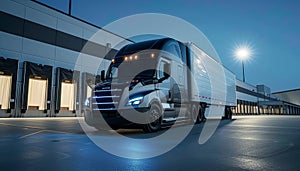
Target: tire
{"type": "Point", "coordinates": [228, 113]}
{"type": "Point", "coordinates": [154, 114]}
{"type": "Point", "coordinates": [115, 128]}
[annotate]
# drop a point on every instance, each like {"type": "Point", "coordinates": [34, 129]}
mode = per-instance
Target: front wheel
{"type": "Point", "coordinates": [154, 119]}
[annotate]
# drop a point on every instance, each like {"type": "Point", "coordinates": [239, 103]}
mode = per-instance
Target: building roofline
{"type": "Point", "coordinates": [285, 91]}
{"type": "Point", "coordinates": [81, 20]}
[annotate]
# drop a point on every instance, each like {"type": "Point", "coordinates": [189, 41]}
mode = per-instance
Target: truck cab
{"type": "Point", "coordinates": [143, 86]}
{"type": "Point", "coordinates": [150, 84]}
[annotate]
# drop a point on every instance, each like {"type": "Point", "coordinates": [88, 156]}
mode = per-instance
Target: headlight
{"type": "Point", "coordinates": [135, 101]}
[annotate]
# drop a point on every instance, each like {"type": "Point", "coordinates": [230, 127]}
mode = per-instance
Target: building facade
{"type": "Point", "coordinates": [255, 100]}
{"type": "Point", "coordinates": [46, 58]}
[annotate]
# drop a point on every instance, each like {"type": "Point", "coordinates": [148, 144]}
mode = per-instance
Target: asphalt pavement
{"type": "Point", "coordinates": [244, 143]}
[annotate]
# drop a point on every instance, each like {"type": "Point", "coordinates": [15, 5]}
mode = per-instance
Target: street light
{"type": "Point", "coordinates": [242, 54]}
{"type": "Point", "coordinates": [70, 7]}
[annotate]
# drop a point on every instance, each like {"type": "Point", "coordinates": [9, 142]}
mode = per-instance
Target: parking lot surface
{"type": "Point", "coordinates": [244, 143]}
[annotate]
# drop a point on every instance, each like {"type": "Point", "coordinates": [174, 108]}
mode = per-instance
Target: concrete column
{"type": "Point", "coordinates": [293, 110]}
{"type": "Point", "coordinates": [18, 95]}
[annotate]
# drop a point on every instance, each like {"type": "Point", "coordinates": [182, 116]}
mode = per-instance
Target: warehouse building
{"type": "Point", "coordinates": [39, 70]}
{"type": "Point", "coordinates": [255, 100]}
{"type": "Point", "coordinates": [40, 74]}
{"type": "Point", "coordinates": [292, 97]}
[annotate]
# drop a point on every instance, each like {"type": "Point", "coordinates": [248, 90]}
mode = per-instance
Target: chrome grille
{"type": "Point", "coordinates": [106, 99]}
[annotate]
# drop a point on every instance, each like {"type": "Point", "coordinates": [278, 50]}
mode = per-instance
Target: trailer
{"type": "Point", "coordinates": [156, 83]}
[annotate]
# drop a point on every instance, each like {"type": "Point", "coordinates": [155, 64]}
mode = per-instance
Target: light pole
{"type": "Point", "coordinates": [242, 54]}
{"type": "Point", "coordinates": [70, 7]}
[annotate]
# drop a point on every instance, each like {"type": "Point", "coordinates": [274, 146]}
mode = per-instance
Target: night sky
{"type": "Point", "coordinates": [271, 28]}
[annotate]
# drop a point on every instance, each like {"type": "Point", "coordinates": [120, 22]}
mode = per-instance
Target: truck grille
{"type": "Point", "coordinates": [106, 99]}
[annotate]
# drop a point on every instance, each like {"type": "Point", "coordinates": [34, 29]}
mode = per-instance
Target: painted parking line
{"type": "Point", "coordinates": [34, 133]}
{"type": "Point", "coordinates": [41, 130]}
{"type": "Point", "coordinates": [262, 126]}
{"type": "Point", "coordinates": [22, 126]}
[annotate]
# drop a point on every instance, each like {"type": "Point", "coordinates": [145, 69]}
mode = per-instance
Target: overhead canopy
{"type": "Point", "coordinates": [33, 70]}
{"type": "Point", "coordinates": [10, 67]}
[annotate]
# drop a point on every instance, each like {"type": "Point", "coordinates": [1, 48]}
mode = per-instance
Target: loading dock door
{"type": "Point", "coordinates": [5, 91]}
{"type": "Point", "coordinates": [68, 95]}
{"type": "Point", "coordinates": [37, 93]}
{"type": "Point", "coordinates": [8, 82]}
{"type": "Point", "coordinates": [67, 90]}
{"type": "Point", "coordinates": [36, 87]}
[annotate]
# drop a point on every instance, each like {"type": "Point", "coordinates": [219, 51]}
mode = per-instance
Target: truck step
{"type": "Point", "coordinates": [174, 119]}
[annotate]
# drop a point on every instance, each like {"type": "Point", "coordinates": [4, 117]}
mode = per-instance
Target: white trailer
{"type": "Point", "coordinates": [213, 85]}
{"type": "Point", "coordinates": [158, 82]}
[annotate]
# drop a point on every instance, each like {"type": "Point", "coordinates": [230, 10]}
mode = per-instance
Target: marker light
{"type": "Point", "coordinates": [113, 60]}
{"type": "Point", "coordinates": [135, 57]}
{"type": "Point", "coordinates": [126, 58]}
{"type": "Point", "coordinates": [152, 55]}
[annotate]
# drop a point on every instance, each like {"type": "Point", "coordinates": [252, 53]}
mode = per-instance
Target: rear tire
{"type": "Point", "coordinates": [228, 113]}
{"type": "Point", "coordinates": [202, 114]}
{"type": "Point", "coordinates": [155, 116]}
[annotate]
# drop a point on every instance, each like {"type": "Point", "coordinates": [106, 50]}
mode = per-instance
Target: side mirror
{"type": "Point", "coordinates": [166, 73]}
{"type": "Point", "coordinates": [102, 75]}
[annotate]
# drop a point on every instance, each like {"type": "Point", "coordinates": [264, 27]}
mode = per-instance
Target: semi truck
{"type": "Point", "coordinates": [155, 83]}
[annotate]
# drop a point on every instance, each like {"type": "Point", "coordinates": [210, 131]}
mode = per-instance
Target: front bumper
{"type": "Point", "coordinates": [112, 118]}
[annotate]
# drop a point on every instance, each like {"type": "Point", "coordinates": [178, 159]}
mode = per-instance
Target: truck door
{"type": "Point", "coordinates": [164, 84]}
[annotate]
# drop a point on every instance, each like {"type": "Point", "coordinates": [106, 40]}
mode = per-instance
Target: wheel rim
{"type": "Point", "coordinates": [154, 118]}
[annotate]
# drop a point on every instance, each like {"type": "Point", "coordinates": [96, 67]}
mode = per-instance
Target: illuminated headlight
{"type": "Point", "coordinates": [135, 101]}
{"type": "Point", "coordinates": [87, 102]}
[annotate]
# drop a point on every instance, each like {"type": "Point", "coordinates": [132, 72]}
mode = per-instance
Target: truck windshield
{"type": "Point", "coordinates": [142, 68]}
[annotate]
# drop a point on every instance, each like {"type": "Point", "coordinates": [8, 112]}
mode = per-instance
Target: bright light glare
{"type": "Point", "coordinates": [243, 53]}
